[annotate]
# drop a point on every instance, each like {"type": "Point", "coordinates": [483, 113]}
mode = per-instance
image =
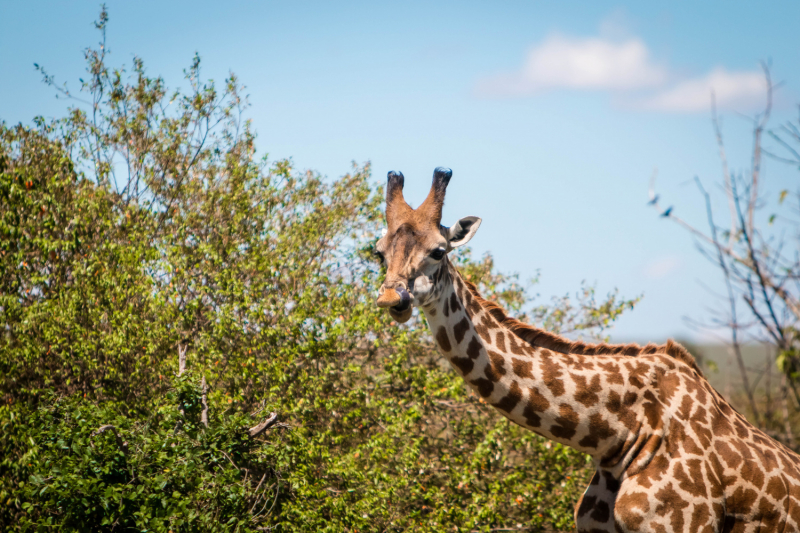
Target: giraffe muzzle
{"type": "Point", "coordinates": [396, 299]}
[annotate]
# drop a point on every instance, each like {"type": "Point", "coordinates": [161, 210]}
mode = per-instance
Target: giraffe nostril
{"type": "Point", "coordinates": [404, 296]}
{"type": "Point", "coordinates": [405, 300]}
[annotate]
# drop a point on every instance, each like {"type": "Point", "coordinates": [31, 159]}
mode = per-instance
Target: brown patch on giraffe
{"type": "Point", "coordinates": [587, 503]}
{"type": "Point", "coordinates": [442, 339]}
{"type": "Point", "coordinates": [586, 392]}
{"type": "Point", "coordinates": [532, 418]}
{"type": "Point", "coordinates": [474, 348]}
{"type": "Point", "coordinates": [630, 398]}
{"type": "Point", "coordinates": [637, 373]}
{"type": "Point", "coordinates": [680, 440]}
{"type": "Point", "coordinates": [566, 424]}
{"type": "Point", "coordinates": [770, 462]}
{"type": "Point", "coordinates": [691, 481]}
{"type": "Point", "coordinates": [715, 472]}
{"type": "Point", "coordinates": [701, 514]}
{"type": "Point", "coordinates": [776, 487]}
{"type": "Point", "coordinates": [500, 341]}
{"type": "Point", "coordinates": [612, 371]}
{"type": "Point", "coordinates": [624, 414]}
{"type": "Point", "coordinates": [704, 435]}
{"type": "Point", "coordinates": [522, 367]}
{"type": "Point", "coordinates": [741, 429]}
{"type": "Point", "coordinates": [431, 311]}
{"type": "Point", "coordinates": [702, 393]}
{"type": "Point", "coordinates": [551, 374]}
{"type": "Point", "coordinates": [508, 402]}
{"type": "Point", "coordinates": [446, 308]}
{"type": "Point", "coordinates": [685, 409]}
{"type": "Point", "coordinates": [742, 500]}
{"type": "Point", "coordinates": [496, 367]}
{"type": "Point", "coordinates": [455, 305]}
{"type": "Point", "coordinates": [583, 363]}
{"type": "Point", "coordinates": [536, 404]}
{"type": "Point", "coordinates": [652, 409]}
{"type": "Point", "coordinates": [515, 347]}
{"type": "Point", "coordinates": [460, 329]}
{"type": "Point", "coordinates": [733, 524]}
{"type": "Point", "coordinates": [720, 425]}
{"type": "Point", "coordinates": [483, 333]}
{"type": "Point", "coordinates": [751, 472]}
{"type": "Point", "coordinates": [671, 503]}
{"type": "Point", "coordinates": [599, 429]}
{"type": "Point", "coordinates": [761, 439]}
{"type": "Point", "coordinates": [474, 306]}
{"type": "Point", "coordinates": [485, 387]}
{"type": "Point", "coordinates": [464, 364]}
{"type": "Point", "coordinates": [489, 323]}
{"type": "Point", "coordinates": [668, 385]}
{"type": "Point", "coordinates": [769, 515]}
{"type": "Point", "coordinates": [654, 471]}
{"type": "Point", "coordinates": [630, 509]}
{"type": "Point", "coordinates": [612, 483]}
{"type": "Point", "coordinates": [744, 449]}
{"type": "Point", "coordinates": [537, 401]}
{"type": "Point", "coordinates": [601, 512]}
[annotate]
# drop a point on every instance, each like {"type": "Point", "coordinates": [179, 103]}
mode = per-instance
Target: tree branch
{"type": "Point", "coordinates": [123, 446]}
{"type": "Point", "coordinates": [258, 429]}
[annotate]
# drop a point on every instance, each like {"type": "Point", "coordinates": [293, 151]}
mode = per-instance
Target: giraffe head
{"type": "Point", "coordinates": [415, 245]}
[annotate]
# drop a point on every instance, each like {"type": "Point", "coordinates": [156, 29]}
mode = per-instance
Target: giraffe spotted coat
{"type": "Point", "coordinates": [670, 453]}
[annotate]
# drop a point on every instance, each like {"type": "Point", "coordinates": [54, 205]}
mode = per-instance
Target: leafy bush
{"type": "Point", "coordinates": [149, 227]}
{"type": "Point", "coordinates": [92, 467]}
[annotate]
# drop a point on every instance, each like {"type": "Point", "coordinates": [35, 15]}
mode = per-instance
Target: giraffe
{"type": "Point", "coordinates": [670, 453]}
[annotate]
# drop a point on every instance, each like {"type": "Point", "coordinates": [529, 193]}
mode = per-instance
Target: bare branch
{"type": "Point", "coordinates": [122, 445]}
{"type": "Point", "coordinates": [263, 426]}
{"type": "Point", "coordinates": [725, 171]}
{"type": "Point", "coordinates": [735, 346]}
{"type": "Point", "coordinates": [181, 360]}
{"type": "Point", "coordinates": [203, 400]}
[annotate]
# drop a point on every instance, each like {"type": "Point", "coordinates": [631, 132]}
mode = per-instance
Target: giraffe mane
{"type": "Point", "coordinates": [552, 341]}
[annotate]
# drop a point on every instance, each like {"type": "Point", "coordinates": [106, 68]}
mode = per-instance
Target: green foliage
{"type": "Point", "coordinates": [141, 473]}
{"type": "Point", "coordinates": [146, 225]}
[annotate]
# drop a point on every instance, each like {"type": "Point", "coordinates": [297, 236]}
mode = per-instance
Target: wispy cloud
{"type": "Point", "coordinates": [583, 64]}
{"type": "Point", "coordinates": [732, 90]}
{"type": "Point", "coordinates": [662, 267]}
{"type": "Point", "coordinates": [626, 69]}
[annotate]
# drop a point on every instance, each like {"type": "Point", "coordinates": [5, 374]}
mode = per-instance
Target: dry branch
{"type": "Point", "coordinates": [123, 446]}
{"type": "Point", "coordinates": [260, 428]}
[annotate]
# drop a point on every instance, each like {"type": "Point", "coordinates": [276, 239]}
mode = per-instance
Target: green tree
{"type": "Point", "coordinates": [144, 227]}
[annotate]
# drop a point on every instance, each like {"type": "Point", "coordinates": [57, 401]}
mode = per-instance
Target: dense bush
{"type": "Point", "coordinates": [145, 226]}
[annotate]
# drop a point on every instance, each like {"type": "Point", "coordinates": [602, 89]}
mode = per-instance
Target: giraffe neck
{"type": "Point", "coordinates": [563, 397]}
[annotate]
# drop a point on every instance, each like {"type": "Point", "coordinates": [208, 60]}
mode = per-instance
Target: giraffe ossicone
{"type": "Point", "coordinates": [671, 454]}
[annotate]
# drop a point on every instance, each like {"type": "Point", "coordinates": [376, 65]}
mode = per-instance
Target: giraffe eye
{"type": "Point", "coordinates": [437, 254]}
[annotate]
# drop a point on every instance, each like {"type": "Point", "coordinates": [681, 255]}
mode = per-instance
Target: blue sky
{"type": "Point", "coordinates": [553, 116]}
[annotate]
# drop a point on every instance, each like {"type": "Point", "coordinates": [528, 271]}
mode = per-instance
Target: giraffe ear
{"type": "Point", "coordinates": [462, 231]}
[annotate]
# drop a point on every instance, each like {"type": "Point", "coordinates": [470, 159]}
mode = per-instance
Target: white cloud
{"type": "Point", "coordinates": [662, 267]}
{"type": "Point", "coordinates": [582, 64]}
{"type": "Point", "coordinates": [732, 90]}
{"type": "Point", "coordinates": [624, 67]}
{"type": "Point", "coordinates": [742, 91]}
